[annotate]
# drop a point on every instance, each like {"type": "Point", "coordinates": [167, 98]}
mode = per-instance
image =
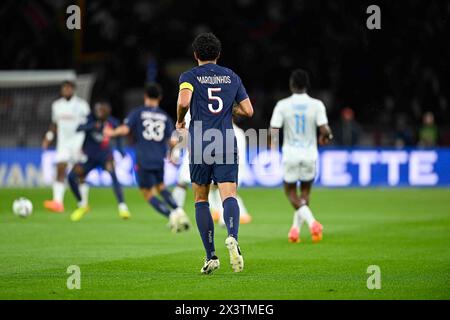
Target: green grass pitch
{"type": "Point", "coordinates": [406, 232]}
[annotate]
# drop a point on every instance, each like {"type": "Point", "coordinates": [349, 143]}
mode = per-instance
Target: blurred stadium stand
{"type": "Point", "coordinates": [390, 77]}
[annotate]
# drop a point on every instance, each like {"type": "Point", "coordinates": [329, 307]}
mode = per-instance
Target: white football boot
{"type": "Point", "coordinates": [210, 265]}
{"type": "Point", "coordinates": [236, 259]}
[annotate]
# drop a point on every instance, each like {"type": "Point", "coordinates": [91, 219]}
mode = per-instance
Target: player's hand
{"type": "Point", "coordinates": [324, 140]}
{"type": "Point", "coordinates": [180, 125]}
{"type": "Point", "coordinates": [108, 131]}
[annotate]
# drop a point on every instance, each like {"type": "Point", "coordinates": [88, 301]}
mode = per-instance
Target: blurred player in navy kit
{"type": "Point", "coordinates": [213, 94]}
{"type": "Point", "coordinates": [97, 148]}
{"type": "Point", "coordinates": [152, 130]}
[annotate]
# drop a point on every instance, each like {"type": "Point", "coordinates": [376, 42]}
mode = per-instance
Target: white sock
{"type": "Point", "coordinates": [295, 220]}
{"type": "Point", "coordinates": [221, 219]}
{"type": "Point", "coordinates": [306, 214]}
{"type": "Point", "coordinates": [179, 195]}
{"type": "Point", "coordinates": [214, 200]}
{"type": "Point", "coordinates": [298, 220]}
{"type": "Point", "coordinates": [58, 191]}
{"type": "Point", "coordinates": [123, 206]}
{"type": "Point", "coordinates": [242, 209]}
{"type": "Point", "coordinates": [84, 192]}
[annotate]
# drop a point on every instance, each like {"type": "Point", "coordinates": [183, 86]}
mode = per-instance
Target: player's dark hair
{"type": "Point", "coordinates": [299, 80]}
{"type": "Point", "coordinates": [69, 83]}
{"type": "Point", "coordinates": [207, 47]}
{"type": "Point", "coordinates": [153, 90]}
{"type": "Point", "coordinates": [103, 102]}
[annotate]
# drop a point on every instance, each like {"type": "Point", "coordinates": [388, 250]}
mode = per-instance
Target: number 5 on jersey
{"type": "Point", "coordinates": [217, 98]}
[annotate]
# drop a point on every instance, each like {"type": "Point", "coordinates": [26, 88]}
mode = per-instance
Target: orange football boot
{"type": "Point", "coordinates": [316, 231]}
{"type": "Point", "coordinates": [294, 235]}
{"type": "Point", "coordinates": [245, 219]}
{"type": "Point", "coordinates": [54, 206]}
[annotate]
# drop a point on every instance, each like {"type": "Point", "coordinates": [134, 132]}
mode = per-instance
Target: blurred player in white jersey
{"type": "Point", "coordinates": [214, 196]}
{"type": "Point", "coordinates": [68, 112]}
{"type": "Point", "coordinates": [184, 179]}
{"type": "Point", "coordinates": [300, 115]}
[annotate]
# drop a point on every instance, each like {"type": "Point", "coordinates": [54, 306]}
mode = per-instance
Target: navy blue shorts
{"type": "Point", "coordinates": [93, 163]}
{"type": "Point", "coordinates": [148, 178]}
{"type": "Point", "coordinates": [217, 173]}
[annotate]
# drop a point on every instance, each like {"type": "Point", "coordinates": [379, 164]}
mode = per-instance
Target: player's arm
{"type": "Point", "coordinates": [243, 108]}
{"type": "Point", "coordinates": [119, 142]}
{"type": "Point", "coordinates": [183, 103]}
{"type": "Point", "coordinates": [276, 123]}
{"type": "Point", "coordinates": [90, 125]}
{"type": "Point", "coordinates": [120, 131]}
{"type": "Point", "coordinates": [274, 138]}
{"type": "Point", "coordinates": [325, 134]}
{"type": "Point", "coordinates": [49, 136]}
{"type": "Point", "coordinates": [51, 132]}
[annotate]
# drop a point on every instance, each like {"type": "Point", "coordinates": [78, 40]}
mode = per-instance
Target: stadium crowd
{"type": "Point", "coordinates": [374, 97]}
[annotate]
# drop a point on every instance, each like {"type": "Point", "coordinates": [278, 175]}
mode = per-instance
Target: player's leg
{"type": "Point", "coordinates": [84, 190]}
{"type": "Point", "coordinates": [179, 194]}
{"type": "Point", "coordinates": [178, 220]}
{"type": "Point", "coordinates": [226, 177]}
{"type": "Point", "coordinates": [205, 225]}
{"type": "Point", "coordinates": [230, 206]}
{"type": "Point", "coordinates": [73, 178]}
{"type": "Point", "coordinates": [217, 209]}
{"type": "Point", "coordinates": [291, 176]}
{"type": "Point", "coordinates": [182, 220]}
{"type": "Point", "coordinates": [59, 188]}
{"type": "Point", "coordinates": [184, 179]}
{"type": "Point", "coordinates": [149, 194]}
{"type": "Point", "coordinates": [124, 212]}
{"type": "Point", "coordinates": [201, 179]}
{"type": "Point", "coordinates": [167, 196]}
{"type": "Point", "coordinates": [245, 217]}
{"type": "Point", "coordinates": [306, 214]}
{"type": "Point", "coordinates": [79, 172]}
{"type": "Point", "coordinates": [290, 189]}
{"type": "Point", "coordinates": [307, 174]}
{"type": "Point", "coordinates": [148, 180]}
{"type": "Point", "coordinates": [216, 205]}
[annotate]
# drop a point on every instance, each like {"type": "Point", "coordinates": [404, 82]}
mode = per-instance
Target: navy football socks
{"type": "Point", "coordinates": [205, 226]}
{"type": "Point", "coordinates": [117, 188]}
{"type": "Point", "coordinates": [231, 216]}
{"type": "Point", "coordinates": [159, 206]}
{"type": "Point", "coordinates": [167, 196]}
{"type": "Point", "coordinates": [73, 182]}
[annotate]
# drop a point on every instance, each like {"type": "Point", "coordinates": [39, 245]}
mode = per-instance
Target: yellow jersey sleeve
{"type": "Point", "coordinates": [186, 85]}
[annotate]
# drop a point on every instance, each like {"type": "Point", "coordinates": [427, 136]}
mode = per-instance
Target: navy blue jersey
{"type": "Point", "coordinates": [215, 90]}
{"type": "Point", "coordinates": [151, 128]}
{"type": "Point", "coordinates": [96, 145]}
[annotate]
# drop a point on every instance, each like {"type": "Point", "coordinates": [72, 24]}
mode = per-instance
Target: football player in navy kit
{"type": "Point", "coordinates": [213, 94]}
